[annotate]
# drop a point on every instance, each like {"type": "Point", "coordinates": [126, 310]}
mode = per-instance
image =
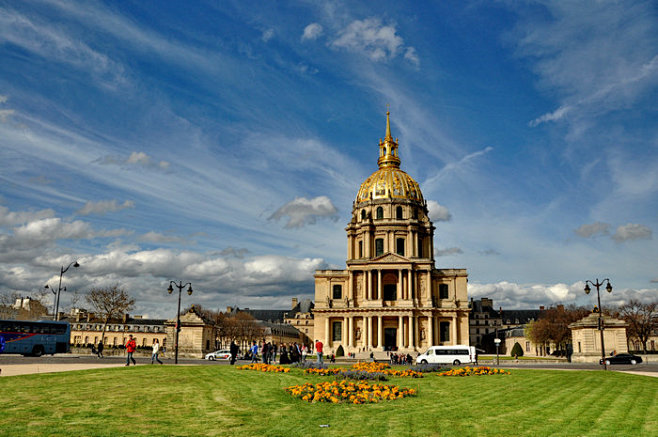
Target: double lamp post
{"type": "Point", "coordinates": [170, 290]}
{"type": "Point", "coordinates": [608, 288]}
{"type": "Point", "coordinates": [59, 287]}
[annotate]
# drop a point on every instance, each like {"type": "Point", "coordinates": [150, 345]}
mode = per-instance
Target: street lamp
{"type": "Point", "coordinates": [170, 290]}
{"type": "Point", "coordinates": [608, 288]}
{"type": "Point", "coordinates": [497, 341]}
{"type": "Point", "coordinates": [59, 287]}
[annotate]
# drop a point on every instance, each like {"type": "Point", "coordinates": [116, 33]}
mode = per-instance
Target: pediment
{"type": "Point", "coordinates": [390, 258]}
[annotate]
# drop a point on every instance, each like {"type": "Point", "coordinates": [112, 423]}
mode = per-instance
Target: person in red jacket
{"type": "Point", "coordinates": [131, 345]}
{"type": "Point", "coordinates": [318, 350]}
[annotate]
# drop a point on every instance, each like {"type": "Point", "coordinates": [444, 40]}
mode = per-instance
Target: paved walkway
{"type": "Point", "coordinates": [27, 369]}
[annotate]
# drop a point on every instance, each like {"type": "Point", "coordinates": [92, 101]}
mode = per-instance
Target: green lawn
{"type": "Point", "coordinates": [220, 400]}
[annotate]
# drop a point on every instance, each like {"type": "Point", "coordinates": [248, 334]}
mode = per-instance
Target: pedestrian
{"type": "Point", "coordinates": [131, 345]}
{"type": "Point", "coordinates": [254, 352]}
{"type": "Point", "coordinates": [99, 351]}
{"type": "Point", "coordinates": [318, 350]}
{"type": "Point", "coordinates": [155, 351]}
{"type": "Point", "coordinates": [234, 352]}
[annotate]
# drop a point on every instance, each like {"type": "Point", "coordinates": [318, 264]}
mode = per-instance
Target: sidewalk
{"type": "Point", "coordinates": [27, 369]}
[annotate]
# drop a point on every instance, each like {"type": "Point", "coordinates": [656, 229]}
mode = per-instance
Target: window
{"type": "Point", "coordinates": [390, 291]}
{"type": "Point", "coordinates": [420, 247]}
{"type": "Point", "coordinates": [443, 291]}
{"type": "Point", "coordinates": [337, 331]}
{"type": "Point", "coordinates": [363, 214]}
{"type": "Point", "coordinates": [380, 213]}
{"type": "Point", "coordinates": [338, 291]}
{"type": "Point", "coordinates": [360, 249]}
{"type": "Point", "coordinates": [398, 212]}
{"type": "Point", "coordinates": [579, 349]}
{"type": "Point", "coordinates": [379, 246]}
{"type": "Point", "coordinates": [400, 246]}
{"type": "Point", "coordinates": [444, 331]}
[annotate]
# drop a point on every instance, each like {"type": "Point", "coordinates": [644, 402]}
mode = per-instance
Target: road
{"type": "Point", "coordinates": [19, 365]}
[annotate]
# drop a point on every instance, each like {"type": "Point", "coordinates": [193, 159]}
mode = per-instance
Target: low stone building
{"type": "Point", "coordinates": [301, 317]}
{"type": "Point", "coordinates": [197, 336]}
{"type": "Point", "coordinates": [87, 329]}
{"type": "Point", "coordinates": [586, 338]}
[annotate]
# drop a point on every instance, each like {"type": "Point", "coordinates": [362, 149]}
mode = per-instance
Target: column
{"type": "Point", "coordinates": [350, 336]}
{"type": "Point", "coordinates": [430, 330]}
{"type": "Point", "coordinates": [411, 332]}
{"type": "Point", "coordinates": [369, 285]}
{"type": "Point", "coordinates": [350, 285]}
{"type": "Point", "coordinates": [343, 337]}
{"type": "Point", "coordinates": [417, 329]}
{"type": "Point", "coordinates": [400, 291]}
{"type": "Point", "coordinates": [453, 330]}
{"type": "Point", "coordinates": [410, 283]}
{"type": "Point", "coordinates": [380, 332]}
{"type": "Point", "coordinates": [368, 332]}
{"type": "Point", "coordinates": [326, 331]}
{"type": "Point", "coordinates": [400, 332]}
{"type": "Point", "coordinates": [379, 285]}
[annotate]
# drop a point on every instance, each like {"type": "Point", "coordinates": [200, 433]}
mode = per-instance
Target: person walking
{"type": "Point", "coordinates": [155, 351]}
{"type": "Point", "coordinates": [254, 352]}
{"type": "Point", "coordinates": [99, 350]}
{"type": "Point", "coordinates": [318, 350]}
{"type": "Point", "coordinates": [234, 352]}
{"type": "Point", "coordinates": [131, 345]}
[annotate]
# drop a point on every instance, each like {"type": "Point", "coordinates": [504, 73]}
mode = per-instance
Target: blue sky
{"type": "Point", "coordinates": [223, 143]}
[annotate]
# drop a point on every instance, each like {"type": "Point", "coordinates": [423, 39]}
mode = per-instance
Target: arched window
{"type": "Point", "coordinates": [379, 246]}
{"type": "Point", "coordinates": [398, 212]}
{"type": "Point", "coordinates": [380, 213]}
{"type": "Point", "coordinates": [363, 214]}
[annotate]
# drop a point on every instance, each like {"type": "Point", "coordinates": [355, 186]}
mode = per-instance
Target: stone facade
{"type": "Point", "coordinates": [87, 329]}
{"type": "Point", "coordinates": [587, 338]}
{"type": "Point", "coordinates": [390, 297]}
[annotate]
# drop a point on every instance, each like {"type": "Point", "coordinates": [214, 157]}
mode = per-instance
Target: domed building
{"type": "Point", "coordinates": [390, 297]}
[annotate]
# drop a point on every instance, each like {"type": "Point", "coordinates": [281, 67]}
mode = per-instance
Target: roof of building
{"type": "Point", "coordinates": [273, 316]}
{"type": "Point", "coordinates": [304, 306]}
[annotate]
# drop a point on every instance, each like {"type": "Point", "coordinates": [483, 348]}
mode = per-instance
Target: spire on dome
{"type": "Point", "coordinates": [388, 149]}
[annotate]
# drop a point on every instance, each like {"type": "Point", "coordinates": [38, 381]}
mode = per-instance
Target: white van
{"type": "Point", "coordinates": [456, 355]}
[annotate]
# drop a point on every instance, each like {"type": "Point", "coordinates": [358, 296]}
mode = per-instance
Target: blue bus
{"type": "Point", "coordinates": [28, 337]}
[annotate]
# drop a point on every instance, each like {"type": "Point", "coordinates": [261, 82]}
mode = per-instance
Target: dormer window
{"type": "Point", "coordinates": [380, 213]}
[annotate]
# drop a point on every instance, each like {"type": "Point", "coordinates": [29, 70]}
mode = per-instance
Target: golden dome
{"type": "Point", "coordinates": [389, 182]}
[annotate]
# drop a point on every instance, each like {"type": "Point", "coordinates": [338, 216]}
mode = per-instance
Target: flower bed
{"type": "Point", "coordinates": [362, 370]}
{"type": "Point", "coordinates": [264, 368]}
{"type": "Point", "coordinates": [348, 392]}
{"type": "Point", "coordinates": [469, 371]}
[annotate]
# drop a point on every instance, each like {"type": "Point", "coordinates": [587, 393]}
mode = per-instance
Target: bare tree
{"type": "Point", "coordinates": [109, 303]}
{"type": "Point", "coordinates": [642, 319]}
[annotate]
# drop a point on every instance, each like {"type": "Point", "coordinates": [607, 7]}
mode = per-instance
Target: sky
{"type": "Point", "coordinates": [223, 143]}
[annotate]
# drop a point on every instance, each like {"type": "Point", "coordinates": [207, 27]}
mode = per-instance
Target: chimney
{"type": "Point", "coordinates": [294, 302]}
{"type": "Point", "coordinates": [541, 308]}
{"type": "Point", "coordinates": [229, 310]}
{"type": "Point", "coordinates": [126, 316]}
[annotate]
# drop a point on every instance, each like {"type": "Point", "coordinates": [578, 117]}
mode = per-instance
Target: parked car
{"type": "Point", "coordinates": [223, 354]}
{"type": "Point", "coordinates": [622, 359]}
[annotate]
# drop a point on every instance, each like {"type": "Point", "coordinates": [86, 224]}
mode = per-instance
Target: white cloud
{"type": "Point", "coordinates": [3, 99]}
{"type": "Point", "coordinates": [5, 114]}
{"type": "Point", "coordinates": [53, 43]}
{"type": "Point", "coordinates": [139, 159]}
{"type": "Point", "coordinates": [302, 211]}
{"type": "Point", "coordinates": [10, 218]}
{"type": "Point", "coordinates": [267, 35]}
{"type": "Point", "coordinates": [438, 213]}
{"type": "Point", "coordinates": [104, 206]}
{"type": "Point", "coordinates": [312, 32]}
{"type": "Point", "coordinates": [595, 56]}
{"type": "Point", "coordinates": [632, 231]}
{"type": "Point", "coordinates": [373, 39]}
{"type": "Point", "coordinates": [155, 237]}
{"type": "Point", "coordinates": [593, 230]}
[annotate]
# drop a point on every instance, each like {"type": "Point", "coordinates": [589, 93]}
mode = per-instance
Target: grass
{"type": "Point", "coordinates": [220, 400]}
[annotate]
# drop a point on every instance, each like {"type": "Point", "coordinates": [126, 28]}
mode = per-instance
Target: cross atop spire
{"type": "Point", "coordinates": [388, 148]}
